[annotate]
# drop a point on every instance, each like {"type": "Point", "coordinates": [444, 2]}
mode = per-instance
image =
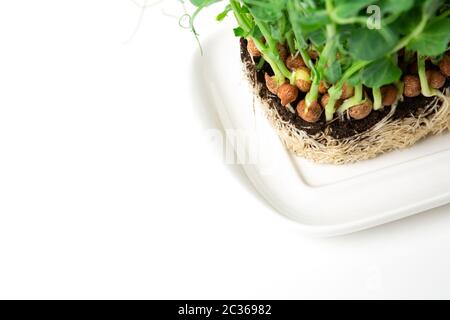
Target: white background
{"type": "Point", "coordinates": [109, 189]}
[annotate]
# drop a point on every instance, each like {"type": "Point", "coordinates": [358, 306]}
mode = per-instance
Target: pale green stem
{"type": "Point", "coordinates": [377, 99]}
{"type": "Point", "coordinates": [426, 90]}
{"type": "Point", "coordinates": [356, 100]}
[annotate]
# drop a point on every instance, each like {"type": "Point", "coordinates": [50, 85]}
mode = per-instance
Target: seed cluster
{"type": "Point", "coordinates": [289, 93]}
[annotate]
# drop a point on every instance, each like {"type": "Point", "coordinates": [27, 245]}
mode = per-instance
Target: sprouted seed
{"type": "Point", "coordinates": [412, 86]}
{"type": "Point", "coordinates": [323, 87]}
{"type": "Point", "coordinates": [361, 111]}
{"type": "Point", "coordinates": [309, 114]}
{"type": "Point", "coordinates": [326, 98]}
{"type": "Point", "coordinates": [252, 49]}
{"type": "Point", "coordinates": [294, 62]}
{"type": "Point", "coordinates": [302, 78]}
{"type": "Point", "coordinates": [347, 91]}
{"type": "Point", "coordinates": [287, 93]}
{"type": "Point", "coordinates": [271, 84]}
{"type": "Point", "coordinates": [389, 95]}
{"type": "Point", "coordinates": [436, 79]}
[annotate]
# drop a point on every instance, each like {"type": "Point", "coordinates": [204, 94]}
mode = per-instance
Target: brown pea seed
{"type": "Point", "coordinates": [361, 111]}
{"type": "Point", "coordinates": [287, 93]}
{"type": "Point", "coordinates": [347, 91]}
{"type": "Point", "coordinates": [283, 52]}
{"type": "Point", "coordinates": [303, 81]}
{"type": "Point", "coordinates": [294, 62]}
{"type": "Point", "coordinates": [311, 114]}
{"type": "Point", "coordinates": [444, 65]}
{"type": "Point", "coordinates": [436, 79]}
{"type": "Point", "coordinates": [303, 86]}
{"type": "Point", "coordinates": [412, 86]}
{"type": "Point", "coordinates": [252, 49]}
{"type": "Point", "coordinates": [323, 87]}
{"type": "Point", "coordinates": [389, 94]}
{"type": "Point", "coordinates": [271, 84]}
{"type": "Point", "coordinates": [324, 100]}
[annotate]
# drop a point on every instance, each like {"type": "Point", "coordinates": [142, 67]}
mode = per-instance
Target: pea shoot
{"type": "Point", "coordinates": [326, 56]}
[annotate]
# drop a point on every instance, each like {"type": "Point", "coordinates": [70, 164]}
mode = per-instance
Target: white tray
{"type": "Point", "coordinates": [324, 199]}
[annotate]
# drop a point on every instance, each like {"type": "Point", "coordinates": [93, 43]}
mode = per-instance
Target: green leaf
{"type": "Point", "coordinates": [365, 44]}
{"type": "Point", "coordinates": [221, 16]}
{"type": "Point", "coordinates": [395, 6]}
{"type": "Point", "coordinates": [239, 32]}
{"type": "Point", "coordinates": [333, 72]}
{"type": "Point", "coordinates": [434, 39]}
{"type": "Point", "coordinates": [380, 73]}
{"type": "Point", "coordinates": [354, 80]}
{"type": "Point", "coordinates": [266, 10]}
{"type": "Point", "coordinates": [345, 8]}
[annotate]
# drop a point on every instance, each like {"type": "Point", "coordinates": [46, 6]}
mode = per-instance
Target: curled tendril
{"type": "Point", "coordinates": [183, 18]}
{"type": "Point", "coordinates": [190, 26]}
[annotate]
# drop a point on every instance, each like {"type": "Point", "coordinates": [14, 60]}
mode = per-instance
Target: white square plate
{"type": "Point", "coordinates": [324, 199]}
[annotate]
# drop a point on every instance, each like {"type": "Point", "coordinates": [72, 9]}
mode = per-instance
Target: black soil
{"type": "Point", "coordinates": [339, 128]}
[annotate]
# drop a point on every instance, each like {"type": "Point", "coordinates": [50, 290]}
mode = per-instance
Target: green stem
{"type": "Point", "coordinates": [357, 99]}
{"type": "Point", "coordinates": [273, 50]}
{"type": "Point", "coordinates": [335, 91]}
{"type": "Point", "coordinates": [312, 95]}
{"type": "Point", "coordinates": [426, 90]}
{"type": "Point", "coordinates": [330, 107]}
{"type": "Point", "coordinates": [260, 64]}
{"type": "Point", "coordinates": [291, 41]}
{"type": "Point", "coordinates": [417, 31]}
{"type": "Point", "coordinates": [268, 54]}
{"type": "Point", "coordinates": [328, 50]}
{"type": "Point", "coordinates": [377, 99]}
{"type": "Point", "coordinates": [241, 20]}
{"type": "Point", "coordinates": [300, 41]}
